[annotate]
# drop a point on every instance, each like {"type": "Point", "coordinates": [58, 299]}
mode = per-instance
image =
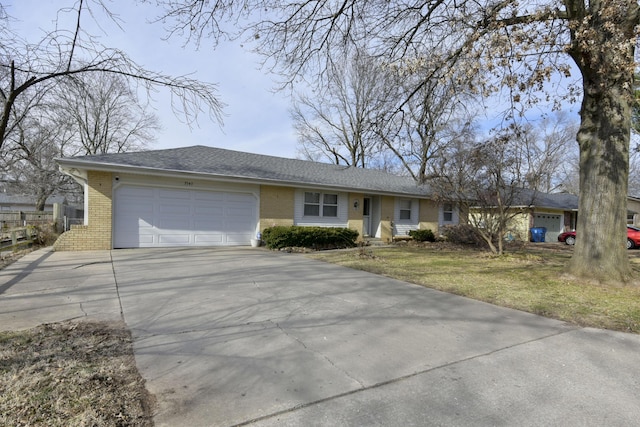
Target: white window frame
{"type": "Point", "coordinates": [448, 209]}
{"type": "Point", "coordinates": [322, 204]}
{"type": "Point", "coordinates": [404, 208]}
{"type": "Point", "coordinates": [455, 217]}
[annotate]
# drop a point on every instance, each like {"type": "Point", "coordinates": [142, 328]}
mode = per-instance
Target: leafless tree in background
{"type": "Point", "coordinates": [550, 163]}
{"type": "Point", "coordinates": [336, 121]}
{"type": "Point", "coordinates": [29, 159]}
{"type": "Point", "coordinates": [105, 114]}
{"type": "Point", "coordinates": [65, 54]}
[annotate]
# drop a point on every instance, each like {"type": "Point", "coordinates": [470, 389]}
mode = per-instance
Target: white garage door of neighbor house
{"type": "Point", "coordinates": [163, 217]}
{"type": "Point", "coordinates": [553, 224]}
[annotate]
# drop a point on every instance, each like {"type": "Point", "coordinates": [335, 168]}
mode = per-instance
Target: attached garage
{"type": "Point", "coordinates": [146, 216]}
{"type": "Point", "coordinates": [552, 222]}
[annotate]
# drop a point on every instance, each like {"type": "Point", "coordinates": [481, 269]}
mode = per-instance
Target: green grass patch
{"type": "Point", "coordinates": [526, 279]}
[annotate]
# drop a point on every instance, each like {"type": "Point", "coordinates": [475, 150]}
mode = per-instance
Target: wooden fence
{"type": "Point", "coordinates": [12, 239]}
{"type": "Point", "coordinates": [10, 220]}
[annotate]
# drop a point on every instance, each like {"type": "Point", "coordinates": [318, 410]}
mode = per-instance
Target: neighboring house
{"type": "Point", "coordinates": [557, 212]}
{"type": "Point", "coordinates": [633, 211]}
{"type": "Point", "coordinates": [16, 210]}
{"type": "Point", "coordinates": [204, 196]}
{"type": "Point", "coordinates": [19, 203]}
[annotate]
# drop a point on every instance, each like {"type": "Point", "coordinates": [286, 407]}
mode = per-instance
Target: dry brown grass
{"type": "Point", "coordinates": [71, 374]}
{"type": "Point", "coordinates": [528, 277]}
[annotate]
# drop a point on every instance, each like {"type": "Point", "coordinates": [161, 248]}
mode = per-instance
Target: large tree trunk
{"type": "Point", "coordinates": [600, 252]}
{"type": "Point", "coordinates": [605, 58]}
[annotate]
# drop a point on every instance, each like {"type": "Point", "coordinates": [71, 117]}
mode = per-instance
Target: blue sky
{"type": "Point", "coordinates": [257, 120]}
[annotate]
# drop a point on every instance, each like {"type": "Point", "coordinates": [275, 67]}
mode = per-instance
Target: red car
{"type": "Point", "coordinates": [633, 237]}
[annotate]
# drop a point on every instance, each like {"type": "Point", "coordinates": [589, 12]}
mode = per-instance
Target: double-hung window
{"type": "Point", "coordinates": [405, 209]}
{"type": "Point", "coordinates": [447, 212]}
{"type": "Point", "coordinates": [320, 204]}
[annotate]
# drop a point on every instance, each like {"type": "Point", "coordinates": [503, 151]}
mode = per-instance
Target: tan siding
{"type": "Point", "coordinates": [387, 205]}
{"type": "Point", "coordinates": [355, 221]}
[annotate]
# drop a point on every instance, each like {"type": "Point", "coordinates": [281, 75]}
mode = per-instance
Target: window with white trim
{"type": "Point", "coordinates": [405, 209]}
{"type": "Point", "coordinates": [447, 212]}
{"type": "Point", "coordinates": [320, 204]}
{"type": "Point", "coordinates": [631, 218]}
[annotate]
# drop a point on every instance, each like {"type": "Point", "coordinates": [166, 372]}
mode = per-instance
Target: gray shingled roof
{"type": "Point", "coordinates": [563, 201]}
{"type": "Point", "coordinates": [217, 162]}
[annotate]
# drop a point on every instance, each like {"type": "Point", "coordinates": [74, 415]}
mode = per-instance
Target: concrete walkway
{"type": "Point", "coordinates": [46, 286]}
{"type": "Point", "coordinates": [243, 336]}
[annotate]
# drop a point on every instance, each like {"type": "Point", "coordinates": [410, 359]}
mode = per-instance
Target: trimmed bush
{"type": "Point", "coordinates": [309, 237]}
{"type": "Point", "coordinates": [424, 235]}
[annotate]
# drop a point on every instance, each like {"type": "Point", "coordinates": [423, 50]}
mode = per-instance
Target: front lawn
{"type": "Point", "coordinates": [71, 374]}
{"type": "Point", "coordinates": [528, 279]}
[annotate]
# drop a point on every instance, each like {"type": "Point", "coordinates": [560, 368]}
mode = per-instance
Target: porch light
{"type": "Point", "coordinates": [355, 204]}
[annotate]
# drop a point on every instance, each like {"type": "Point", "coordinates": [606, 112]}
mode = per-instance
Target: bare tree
{"type": "Point", "coordinates": [505, 44]}
{"type": "Point", "coordinates": [29, 159]}
{"type": "Point", "coordinates": [337, 121]}
{"type": "Point", "coordinates": [423, 118]}
{"type": "Point", "coordinates": [63, 55]}
{"type": "Point", "coordinates": [486, 180]}
{"type": "Point", "coordinates": [550, 153]}
{"type": "Point", "coordinates": [105, 113]}
{"type": "Point", "coordinates": [71, 118]}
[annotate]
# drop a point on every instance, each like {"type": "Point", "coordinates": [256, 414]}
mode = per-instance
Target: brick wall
{"type": "Point", "coordinates": [97, 234]}
{"type": "Point", "coordinates": [429, 215]}
{"type": "Point", "coordinates": [277, 206]}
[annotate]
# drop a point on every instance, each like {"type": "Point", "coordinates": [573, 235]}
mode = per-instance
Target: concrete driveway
{"type": "Point", "coordinates": [246, 336]}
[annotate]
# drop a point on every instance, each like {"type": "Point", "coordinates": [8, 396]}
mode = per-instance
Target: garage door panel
{"type": "Point", "coordinates": [210, 224]}
{"type": "Point", "coordinates": [237, 225]}
{"type": "Point", "coordinates": [138, 192]}
{"type": "Point", "coordinates": [209, 239]}
{"type": "Point", "coordinates": [143, 207]}
{"type": "Point", "coordinates": [174, 223]}
{"type": "Point", "coordinates": [209, 196]}
{"type": "Point", "coordinates": [239, 197]}
{"type": "Point", "coordinates": [181, 239]}
{"type": "Point", "coordinates": [173, 194]}
{"type": "Point", "coordinates": [146, 238]}
{"type": "Point", "coordinates": [236, 239]}
{"type": "Point", "coordinates": [205, 210]}
{"type": "Point", "coordinates": [149, 217]}
{"type": "Point", "coordinates": [236, 212]}
{"type": "Point", "coordinates": [172, 208]}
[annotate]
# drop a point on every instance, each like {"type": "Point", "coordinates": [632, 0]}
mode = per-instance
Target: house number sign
{"type": "Point", "coordinates": [188, 183]}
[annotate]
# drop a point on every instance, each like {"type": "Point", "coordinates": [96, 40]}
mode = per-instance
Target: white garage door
{"type": "Point", "coordinates": [162, 217]}
{"type": "Point", "coordinates": [553, 224]}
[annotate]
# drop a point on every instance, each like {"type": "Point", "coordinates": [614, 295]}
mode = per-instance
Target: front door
{"type": "Point", "coordinates": [366, 217]}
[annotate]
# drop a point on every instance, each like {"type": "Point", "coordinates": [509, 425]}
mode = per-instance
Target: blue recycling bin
{"type": "Point", "coordinates": [537, 234]}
